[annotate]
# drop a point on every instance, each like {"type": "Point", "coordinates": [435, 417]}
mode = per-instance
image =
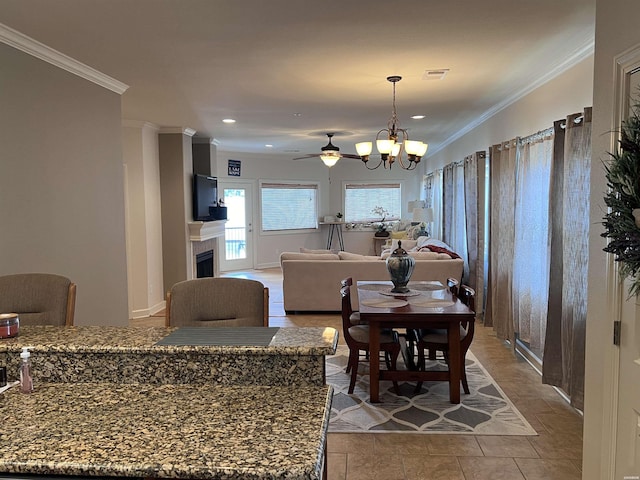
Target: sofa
{"type": "Point", "coordinates": [311, 279]}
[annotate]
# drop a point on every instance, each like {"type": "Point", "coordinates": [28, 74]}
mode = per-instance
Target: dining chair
{"type": "Point", "coordinates": [436, 339]}
{"type": "Point", "coordinates": [355, 316]}
{"type": "Point", "coordinates": [38, 298]}
{"type": "Point", "coordinates": [357, 339]}
{"type": "Point", "coordinates": [218, 302]}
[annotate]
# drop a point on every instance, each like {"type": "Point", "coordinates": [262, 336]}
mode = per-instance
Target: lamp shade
{"type": "Point", "coordinates": [384, 146]}
{"type": "Point", "coordinates": [364, 148]}
{"type": "Point", "coordinates": [422, 215]}
{"type": "Point", "coordinates": [415, 204]}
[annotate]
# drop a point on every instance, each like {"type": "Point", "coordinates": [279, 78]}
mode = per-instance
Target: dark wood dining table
{"type": "Point", "coordinates": [426, 305]}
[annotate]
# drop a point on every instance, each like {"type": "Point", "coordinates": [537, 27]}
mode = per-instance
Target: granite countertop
{"type": "Point", "coordinates": [104, 339]}
{"type": "Point", "coordinates": [165, 431]}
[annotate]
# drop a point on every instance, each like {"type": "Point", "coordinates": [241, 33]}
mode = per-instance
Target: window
{"type": "Point", "coordinates": [289, 206]}
{"type": "Point", "coordinates": [361, 198]}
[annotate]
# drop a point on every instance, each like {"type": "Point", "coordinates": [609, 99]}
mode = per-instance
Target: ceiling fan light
{"type": "Point", "coordinates": [364, 148]}
{"type": "Point", "coordinates": [329, 159]}
{"type": "Point", "coordinates": [384, 146]}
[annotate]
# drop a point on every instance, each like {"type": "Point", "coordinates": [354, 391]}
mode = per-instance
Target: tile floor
{"type": "Point", "coordinates": [556, 453]}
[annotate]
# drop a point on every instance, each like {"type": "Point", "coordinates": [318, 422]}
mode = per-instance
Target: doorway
{"type": "Point", "coordinates": [236, 251]}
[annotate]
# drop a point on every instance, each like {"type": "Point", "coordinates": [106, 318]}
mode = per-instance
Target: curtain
{"type": "Point", "coordinates": [474, 167]}
{"type": "Point", "coordinates": [436, 204]}
{"type": "Point", "coordinates": [454, 225]}
{"type": "Point", "coordinates": [498, 312]}
{"type": "Point", "coordinates": [563, 363]}
{"type": "Point", "coordinates": [532, 238]}
{"type": "Point", "coordinates": [459, 221]}
{"type": "Point", "coordinates": [447, 204]}
{"type": "Point", "coordinates": [427, 187]}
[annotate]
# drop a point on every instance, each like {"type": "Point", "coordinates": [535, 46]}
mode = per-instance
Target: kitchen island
{"type": "Point", "coordinates": [165, 431]}
{"type": "Point", "coordinates": [287, 356]}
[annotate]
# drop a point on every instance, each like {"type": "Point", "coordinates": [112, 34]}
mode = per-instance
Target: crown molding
{"type": "Point", "coordinates": [202, 140]}
{"type": "Point", "coordinates": [139, 124]}
{"type": "Point", "coordinates": [39, 50]}
{"type": "Point", "coordinates": [586, 50]}
{"type": "Point", "coordinates": [190, 132]}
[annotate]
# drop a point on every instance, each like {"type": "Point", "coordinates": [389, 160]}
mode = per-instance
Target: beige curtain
{"type": "Point", "coordinates": [474, 167]}
{"type": "Point", "coordinates": [499, 312]}
{"type": "Point", "coordinates": [563, 362]}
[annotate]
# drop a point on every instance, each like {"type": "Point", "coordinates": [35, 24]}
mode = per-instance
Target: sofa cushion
{"type": "Point", "coordinates": [357, 256]}
{"type": "Point", "coordinates": [307, 256]}
{"type": "Point", "coordinates": [429, 256]}
{"type": "Point", "coordinates": [319, 251]}
{"type": "Point", "coordinates": [424, 255]}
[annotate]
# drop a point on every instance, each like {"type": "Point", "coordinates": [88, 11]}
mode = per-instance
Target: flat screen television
{"type": "Point", "coordinates": [205, 197]}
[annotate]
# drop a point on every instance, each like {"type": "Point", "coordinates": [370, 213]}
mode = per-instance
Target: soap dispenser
{"type": "Point", "coordinates": [26, 380]}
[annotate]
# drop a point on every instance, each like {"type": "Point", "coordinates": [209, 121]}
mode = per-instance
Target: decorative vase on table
{"type": "Point", "coordinates": [400, 265]}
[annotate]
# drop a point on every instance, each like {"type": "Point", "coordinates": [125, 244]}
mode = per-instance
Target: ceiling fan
{"type": "Point", "coordinates": [330, 154]}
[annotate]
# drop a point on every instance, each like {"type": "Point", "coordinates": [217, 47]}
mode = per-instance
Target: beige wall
{"type": "Point", "coordinates": [61, 183]}
{"type": "Point", "coordinates": [616, 31]}
{"type": "Point", "coordinates": [176, 178]}
{"type": "Point", "coordinates": [144, 222]}
{"type": "Point", "coordinates": [567, 93]}
{"type": "Point", "coordinates": [274, 167]}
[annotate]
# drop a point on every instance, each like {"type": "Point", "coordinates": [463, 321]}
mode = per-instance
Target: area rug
{"type": "Point", "coordinates": [485, 411]}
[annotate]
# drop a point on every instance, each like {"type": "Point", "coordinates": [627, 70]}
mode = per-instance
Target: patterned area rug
{"type": "Point", "coordinates": [485, 411]}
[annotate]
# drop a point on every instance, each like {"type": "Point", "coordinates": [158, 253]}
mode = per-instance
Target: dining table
{"type": "Point", "coordinates": [427, 304]}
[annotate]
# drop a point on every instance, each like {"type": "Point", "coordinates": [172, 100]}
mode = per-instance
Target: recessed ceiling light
{"type": "Point", "coordinates": [417, 117]}
{"type": "Point", "coordinates": [297, 114]}
{"type": "Point", "coordinates": [268, 145]}
{"type": "Point", "coordinates": [228, 120]}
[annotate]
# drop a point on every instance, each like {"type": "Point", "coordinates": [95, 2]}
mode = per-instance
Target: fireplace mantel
{"type": "Point", "coordinates": [202, 231]}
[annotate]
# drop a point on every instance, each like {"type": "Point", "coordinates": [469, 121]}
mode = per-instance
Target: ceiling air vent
{"type": "Point", "coordinates": [435, 74]}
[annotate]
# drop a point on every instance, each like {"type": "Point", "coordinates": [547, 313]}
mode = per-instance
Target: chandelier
{"type": "Point", "coordinates": [394, 143]}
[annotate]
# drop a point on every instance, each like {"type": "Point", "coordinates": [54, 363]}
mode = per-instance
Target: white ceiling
{"type": "Point", "coordinates": [291, 70]}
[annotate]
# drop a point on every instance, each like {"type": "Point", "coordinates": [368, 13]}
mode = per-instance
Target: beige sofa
{"type": "Point", "coordinates": [311, 281]}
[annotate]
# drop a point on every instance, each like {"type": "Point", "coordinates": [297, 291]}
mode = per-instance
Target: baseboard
{"type": "Point", "coordinates": [267, 265]}
{"type": "Point", "coordinates": [148, 312]}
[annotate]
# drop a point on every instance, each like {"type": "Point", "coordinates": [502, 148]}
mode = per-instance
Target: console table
{"type": "Point", "coordinates": [334, 227]}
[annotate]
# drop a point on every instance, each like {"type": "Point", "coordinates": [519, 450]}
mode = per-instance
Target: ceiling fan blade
{"type": "Point", "coordinates": [329, 148]}
{"type": "Point", "coordinates": [309, 155]}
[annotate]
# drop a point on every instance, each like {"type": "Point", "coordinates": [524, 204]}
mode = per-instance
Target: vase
{"type": "Point", "coordinates": [400, 265]}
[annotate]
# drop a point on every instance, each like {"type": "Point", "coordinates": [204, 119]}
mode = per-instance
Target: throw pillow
{"type": "Point", "coordinates": [407, 244]}
{"type": "Point", "coordinates": [357, 256]}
